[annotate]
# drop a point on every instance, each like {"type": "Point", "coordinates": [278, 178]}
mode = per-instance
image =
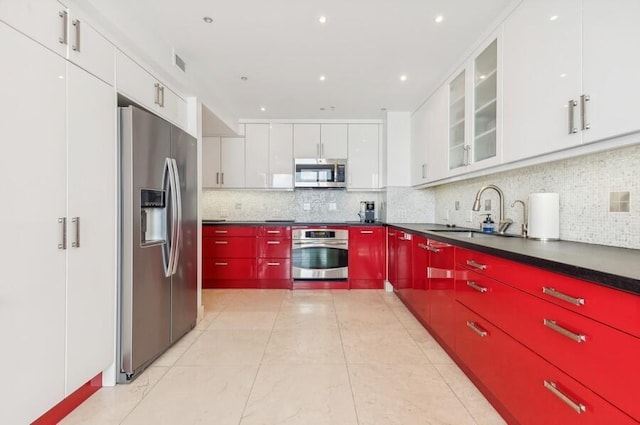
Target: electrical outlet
{"type": "Point", "coordinates": [469, 217]}
{"type": "Point", "coordinates": [306, 206]}
{"type": "Point", "coordinates": [224, 213]}
{"type": "Point", "coordinates": [332, 206]}
{"type": "Point", "coordinates": [457, 205]}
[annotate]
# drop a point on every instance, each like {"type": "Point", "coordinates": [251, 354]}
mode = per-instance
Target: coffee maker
{"type": "Point", "coordinates": [367, 211]}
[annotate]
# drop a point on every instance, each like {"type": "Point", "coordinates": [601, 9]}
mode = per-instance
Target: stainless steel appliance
{"type": "Point", "coordinates": [320, 172]}
{"type": "Point", "coordinates": [367, 211]}
{"type": "Point", "coordinates": [158, 230]}
{"type": "Point", "coordinates": [320, 254]}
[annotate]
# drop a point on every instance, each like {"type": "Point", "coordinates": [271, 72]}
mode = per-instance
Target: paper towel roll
{"type": "Point", "coordinates": [544, 216]}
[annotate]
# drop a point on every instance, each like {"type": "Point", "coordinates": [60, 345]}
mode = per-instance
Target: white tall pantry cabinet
{"type": "Point", "coordinates": [59, 171]}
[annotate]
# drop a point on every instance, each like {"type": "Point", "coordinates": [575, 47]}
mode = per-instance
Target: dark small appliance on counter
{"type": "Point", "coordinates": [367, 211]}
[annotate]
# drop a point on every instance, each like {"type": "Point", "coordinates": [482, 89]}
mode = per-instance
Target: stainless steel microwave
{"type": "Point", "coordinates": [321, 172]}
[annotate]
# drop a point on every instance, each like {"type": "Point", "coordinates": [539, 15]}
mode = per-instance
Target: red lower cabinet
{"type": "Point", "coordinates": [441, 272]}
{"type": "Point", "coordinates": [420, 298]}
{"type": "Point", "coordinates": [367, 257]}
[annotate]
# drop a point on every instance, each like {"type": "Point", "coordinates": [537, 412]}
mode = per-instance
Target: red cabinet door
{"type": "Point", "coordinates": [442, 289]}
{"type": "Point", "coordinates": [224, 230]}
{"type": "Point", "coordinates": [274, 268]}
{"type": "Point", "coordinates": [420, 297]}
{"type": "Point", "coordinates": [367, 253]}
{"type": "Point", "coordinates": [392, 256]}
{"type": "Point", "coordinates": [230, 268]}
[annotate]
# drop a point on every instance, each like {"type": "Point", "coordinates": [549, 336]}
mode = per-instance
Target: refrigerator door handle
{"type": "Point", "coordinates": [167, 187]}
{"type": "Point", "coordinates": [177, 216]}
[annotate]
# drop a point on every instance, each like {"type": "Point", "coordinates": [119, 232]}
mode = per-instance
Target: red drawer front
{"type": "Point", "coordinates": [274, 268]}
{"type": "Point", "coordinates": [274, 247]}
{"type": "Point", "coordinates": [229, 268]}
{"type": "Point", "coordinates": [488, 297]}
{"type": "Point", "coordinates": [615, 308]}
{"type": "Point", "coordinates": [229, 247]}
{"type": "Point", "coordinates": [516, 376]}
{"type": "Point", "coordinates": [275, 231]}
{"type": "Point", "coordinates": [602, 358]}
{"type": "Point", "coordinates": [221, 230]}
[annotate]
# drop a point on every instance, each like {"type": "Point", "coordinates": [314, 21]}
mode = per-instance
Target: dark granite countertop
{"type": "Point", "coordinates": [618, 268]}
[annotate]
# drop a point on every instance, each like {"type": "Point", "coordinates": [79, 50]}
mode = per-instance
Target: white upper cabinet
{"type": "Point", "coordinates": [611, 68]}
{"type": "Point", "coordinates": [136, 83]}
{"type": "Point", "coordinates": [570, 75]}
{"type": "Point", "coordinates": [50, 23]}
{"type": "Point", "coordinates": [542, 74]}
{"type": "Point", "coordinates": [429, 137]}
{"type": "Point", "coordinates": [475, 112]}
{"type": "Point", "coordinates": [363, 163]}
{"type": "Point", "coordinates": [320, 141]}
{"type": "Point", "coordinates": [306, 140]}
{"type": "Point", "coordinates": [45, 21]}
{"type": "Point", "coordinates": [257, 154]}
{"type": "Point", "coordinates": [211, 162]}
{"type": "Point", "coordinates": [333, 141]}
{"type": "Point", "coordinates": [281, 155]}
{"type": "Point", "coordinates": [223, 163]}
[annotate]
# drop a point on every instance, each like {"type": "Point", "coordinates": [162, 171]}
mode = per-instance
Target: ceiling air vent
{"type": "Point", "coordinates": [177, 61]}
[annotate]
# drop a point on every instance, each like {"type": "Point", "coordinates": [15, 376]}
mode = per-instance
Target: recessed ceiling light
{"type": "Point", "coordinates": [262, 108]}
{"type": "Point", "coordinates": [322, 19]}
{"type": "Point", "coordinates": [553, 18]}
{"type": "Point", "coordinates": [207, 19]}
{"type": "Point", "coordinates": [439, 18]}
{"type": "Point", "coordinates": [323, 77]}
{"type": "Point", "coordinates": [403, 78]}
{"type": "Point", "coordinates": [243, 78]}
{"type": "Point", "coordinates": [482, 77]}
{"type": "Point", "coordinates": [563, 75]}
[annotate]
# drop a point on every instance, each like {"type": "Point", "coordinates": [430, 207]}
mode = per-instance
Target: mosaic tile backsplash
{"type": "Point", "coordinates": [585, 185]}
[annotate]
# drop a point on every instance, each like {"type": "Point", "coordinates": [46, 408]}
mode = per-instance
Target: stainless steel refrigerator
{"type": "Point", "coordinates": [158, 231]}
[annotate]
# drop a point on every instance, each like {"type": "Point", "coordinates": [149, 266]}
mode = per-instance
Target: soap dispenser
{"type": "Point", "coordinates": [488, 226]}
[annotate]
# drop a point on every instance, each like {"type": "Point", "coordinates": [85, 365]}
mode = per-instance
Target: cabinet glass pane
{"type": "Point", "coordinates": [456, 121]}
{"type": "Point", "coordinates": [484, 104]}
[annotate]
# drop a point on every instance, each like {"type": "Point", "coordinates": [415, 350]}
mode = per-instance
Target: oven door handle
{"type": "Point", "coordinates": [323, 243]}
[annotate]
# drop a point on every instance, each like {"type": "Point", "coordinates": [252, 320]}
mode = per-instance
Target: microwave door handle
{"type": "Point", "coordinates": [167, 247]}
{"type": "Point", "coordinates": [177, 217]}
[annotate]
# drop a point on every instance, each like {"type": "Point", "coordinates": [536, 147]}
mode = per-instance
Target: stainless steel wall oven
{"type": "Point", "coordinates": [320, 253]}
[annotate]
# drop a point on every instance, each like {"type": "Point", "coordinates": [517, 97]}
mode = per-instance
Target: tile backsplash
{"type": "Point", "coordinates": [584, 183]}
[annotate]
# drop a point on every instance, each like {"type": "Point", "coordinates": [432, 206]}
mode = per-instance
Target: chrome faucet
{"type": "Point", "coordinates": [503, 222]}
{"type": "Point", "coordinates": [525, 221]}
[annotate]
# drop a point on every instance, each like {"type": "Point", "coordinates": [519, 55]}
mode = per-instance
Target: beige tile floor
{"type": "Point", "coordinates": [297, 357]}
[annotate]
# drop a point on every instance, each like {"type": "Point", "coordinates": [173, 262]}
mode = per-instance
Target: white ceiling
{"type": "Point", "coordinates": [282, 49]}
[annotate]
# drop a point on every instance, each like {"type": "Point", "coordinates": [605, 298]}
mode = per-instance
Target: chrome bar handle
{"type": "Point", "coordinates": [273, 242]}
{"type": "Point", "coordinates": [476, 265]}
{"type": "Point", "coordinates": [65, 18]}
{"type": "Point", "coordinates": [222, 178]}
{"type": "Point", "coordinates": [63, 235]}
{"type": "Point", "coordinates": [424, 171]}
{"type": "Point", "coordinates": [322, 154]}
{"type": "Point", "coordinates": [178, 193]}
{"type": "Point", "coordinates": [76, 242]}
{"type": "Point", "coordinates": [274, 232]}
{"type": "Point", "coordinates": [577, 407]}
{"type": "Point", "coordinates": [572, 107]}
{"type": "Point", "coordinates": [221, 232]}
{"type": "Point", "coordinates": [221, 242]}
{"type": "Point", "coordinates": [273, 264]}
{"type": "Point", "coordinates": [551, 324]}
{"type": "Point", "coordinates": [466, 152]}
{"type": "Point", "coordinates": [432, 249]}
{"type": "Point", "coordinates": [217, 177]}
{"type": "Point", "coordinates": [366, 232]}
{"type": "Point", "coordinates": [422, 245]}
{"type": "Point", "coordinates": [477, 287]}
{"type": "Point", "coordinates": [221, 263]}
{"type": "Point", "coordinates": [76, 46]}
{"type": "Point", "coordinates": [156, 98]}
{"type": "Point", "coordinates": [472, 325]}
{"type": "Point", "coordinates": [559, 295]}
{"type": "Point", "coordinates": [583, 111]}
{"type": "Point", "coordinates": [162, 96]}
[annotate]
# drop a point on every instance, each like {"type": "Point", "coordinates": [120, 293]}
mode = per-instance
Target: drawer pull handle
{"type": "Point", "coordinates": [432, 249]}
{"type": "Point", "coordinates": [366, 232]}
{"type": "Point", "coordinates": [577, 407]}
{"type": "Point", "coordinates": [222, 232]}
{"type": "Point", "coordinates": [274, 232]}
{"type": "Point", "coordinates": [551, 324]}
{"type": "Point", "coordinates": [475, 286]}
{"type": "Point", "coordinates": [273, 242]}
{"type": "Point", "coordinates": [273, 264]}
{"type": "Point", "coordinates": [221, 242]}
{"type": "Point", "coordinates": [472, 325]}
{"type": "Point", "coordinates": [221, 264]}
{"type": "Point", "coordinates": [476, 265]}
{"type": "Point", "coordinates": [564, 297]}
